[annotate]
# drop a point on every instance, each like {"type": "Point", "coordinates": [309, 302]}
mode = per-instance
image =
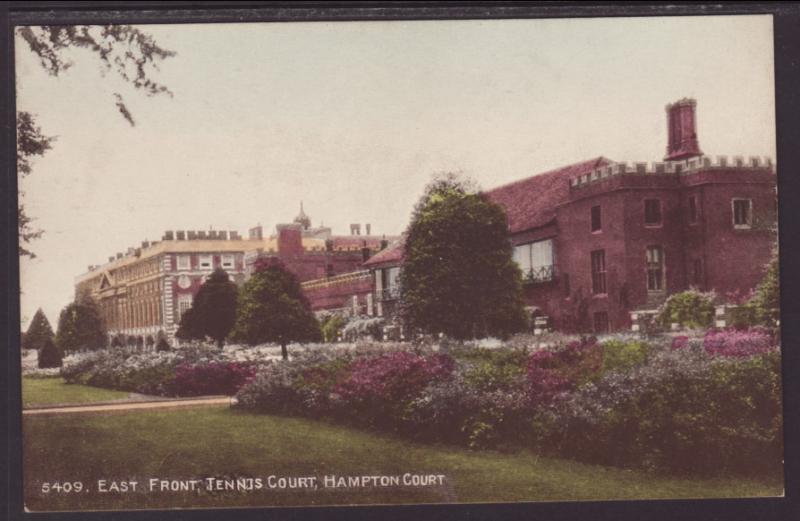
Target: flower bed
{"type": "Point", "coordinates": [618, 401]}
{"type": "Point", "coordinates": [185, 372]}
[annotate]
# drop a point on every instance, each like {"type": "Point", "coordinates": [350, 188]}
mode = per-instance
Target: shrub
{"type": "Point", "coordinates": [378, 388]}
{"type": "Point", "coordinates": [552, 372]}
{"type": "Point", "coordinates": [331, 326]}
{"type": "Point", "coordinates": [49, 354]}
{"type": "Point", "coordinates": [624, 354]}
{"type": "Point", "coordinates": [737, 343]}
{"type": "Point", "coordinates": [683, 411]}
{"type": "Point", "coordinates": [211, 378]}
{"type": "Point", "coordinates": [690, 309]}
{"type": "Point", "coordinates": [363, 327]}
{"type": "Point", "coordinates": [162, 344]}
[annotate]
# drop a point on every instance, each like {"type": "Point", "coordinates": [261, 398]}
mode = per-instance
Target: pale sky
{"type": "Point", "coordinates": [353, 118]}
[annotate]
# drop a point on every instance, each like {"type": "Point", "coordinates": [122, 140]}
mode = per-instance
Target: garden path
{"type": "Point", "coordinates": [130, 406]}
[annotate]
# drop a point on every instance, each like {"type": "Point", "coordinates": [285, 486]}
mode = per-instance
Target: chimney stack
{"type": "Point", "coordinates": [355, 229]}
{"type": "Point", "coordinates": [257, 232]}
{"type": "Point", "coordinates": [368, 229]}
{"type": "Point", "coordinates": [682, 140]}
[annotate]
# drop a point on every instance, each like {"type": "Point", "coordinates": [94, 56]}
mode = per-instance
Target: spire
{"type": "Point", "coordinates": [302, 219]}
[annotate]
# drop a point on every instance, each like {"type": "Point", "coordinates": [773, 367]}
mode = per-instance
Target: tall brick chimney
{"type": "Point", "coordinates": [682, 130]}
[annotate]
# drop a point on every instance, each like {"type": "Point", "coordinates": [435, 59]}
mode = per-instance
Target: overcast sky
{"type": "Point", "coordinates": [354, 118]}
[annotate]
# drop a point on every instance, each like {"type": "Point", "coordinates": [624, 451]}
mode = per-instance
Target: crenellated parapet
{"type": "Point", "coordinates": [671, 168]}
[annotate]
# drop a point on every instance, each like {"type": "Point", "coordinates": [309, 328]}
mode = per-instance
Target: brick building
{"type": "Point", "coordinates": [145, 291]}
{"type": "Point", "coordinates": [599, 239]}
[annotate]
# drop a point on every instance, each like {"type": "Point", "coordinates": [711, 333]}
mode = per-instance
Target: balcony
{"type": "Point", "coordinates": [539, 274]}
{"type": "Point", "coordinates": [391, 293]}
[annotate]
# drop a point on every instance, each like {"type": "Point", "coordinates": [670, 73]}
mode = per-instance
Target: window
{"type": "Point", "coordinates": [742, 213]}
{"type": "Point", "coordinates": [206, 262]}
{"type": "Point", "coordinates": [652, 211]}
{"type": "Point", "coordinates": [597, 223]}
{"type": "Point", "coordinates": [655, 268]}
{"type": "Point", "coordinates": [598, 271]}
{"type": "Point", "coordinates": [390, 282]}
{"type": "Point", "coordinates": [601, 322]}
{"type": "Point", "coordinates": [184, 262]}
{"type": "Point", "coordinates": [227, 261]}
{"type": "Point", "coordinates": [697, 272]}
{"type": "Point", "coordinates": [535, 259]}
{"type": "Point", "coordinates": [692, 210]}
{"type": "Point", "coordinates": [184, 303]}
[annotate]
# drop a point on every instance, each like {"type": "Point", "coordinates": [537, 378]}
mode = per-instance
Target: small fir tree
{"type": "Point", "coordinates": [213, 311]}
{"type": "Point", "coordinates": [49, 355]}
{"type": "Point", "coordinates": [272, 308]}
{"type": "Point", "coordinates": [38, 331]}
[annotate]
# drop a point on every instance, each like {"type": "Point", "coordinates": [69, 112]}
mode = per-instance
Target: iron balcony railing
{"type": "Point", "coordinates": [540, 274]}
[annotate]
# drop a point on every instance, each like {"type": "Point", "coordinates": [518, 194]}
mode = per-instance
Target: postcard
{"type": "Point", "coordinates": [384, 262]}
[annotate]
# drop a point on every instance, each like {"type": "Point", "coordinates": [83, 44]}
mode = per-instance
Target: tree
{"type": "Point", "coordinates": [458, 275]}
{"type": "Point", "coordinates": [80, 326]}
{"type": "Point", "coordinates": [272, 308]}
{"type": "Point", "coordinates": [131, 53]}
{"type": "Point", "coordinates": [49, 355]}
{"type": "Point", "coordinates": [213, 310]}
{"type": "Point", "coordinates": [161, 342]}
{"type": "Point", "coordinates": [38, 331]}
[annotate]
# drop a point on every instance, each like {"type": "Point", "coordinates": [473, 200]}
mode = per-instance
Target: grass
{"type": "Point", "coordinates": [54, 391]}
{"type": "Point", "coordinates": [206, 442]}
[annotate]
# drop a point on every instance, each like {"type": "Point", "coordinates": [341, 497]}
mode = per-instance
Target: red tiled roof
{"type": "Point", "coordinates": [531, 202]}
{"type": "Point", "coordinates": [392, 254]}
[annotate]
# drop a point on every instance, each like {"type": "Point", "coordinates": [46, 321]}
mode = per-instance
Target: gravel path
{"type": "Point", "coordinates": [130, 406]}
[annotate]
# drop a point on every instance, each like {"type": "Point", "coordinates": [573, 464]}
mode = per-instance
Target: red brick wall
{"type": "Point", "coordinates": [732, 258]}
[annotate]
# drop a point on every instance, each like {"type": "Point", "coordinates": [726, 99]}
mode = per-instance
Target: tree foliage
{"type": "Point", "coordinates": [31, 143]}
{"type": "Point", "coordinates": [39, 331]}
{"type": "Point", "coordinates": [131, 53]}
{"type": "Point", "coordinates": [80, 326]}
{"type": "Point", "coordinates": [49, 355]}
{"type": "Point", "coordinates": [213, 310]}
{"type": "Point", "coordinates": [272, 308]}
{"type": "Point", "coordinates": [458, 276]}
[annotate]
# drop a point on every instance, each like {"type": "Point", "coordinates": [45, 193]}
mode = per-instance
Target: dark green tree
{"type": "Point", "coordinates": [213, 310]}
{"type": "Point", "coordinates": [161, 342]}
{"type": "Point", "coordinates": [458, 275]}
{"type": "Point", "coordinates": [49, 355]}
{"type": "Point", "coordinates": [80, 326]}
{"type": "Point", "coordinates": [272, 308]}
{"type": "Point", "coordinates": [38, 331]}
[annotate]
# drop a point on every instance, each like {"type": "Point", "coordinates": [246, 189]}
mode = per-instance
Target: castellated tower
{"type": "Point", "coordinates": [682, 130]}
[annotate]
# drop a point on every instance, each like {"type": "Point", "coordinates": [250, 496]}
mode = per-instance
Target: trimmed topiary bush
{"type": "Point", "coordinates": [49, 354]}
{"type": "Point", "coordinates": [690, 309]}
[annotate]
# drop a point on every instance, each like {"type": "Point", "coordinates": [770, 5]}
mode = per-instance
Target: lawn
{"type": "Point", "coordinates": [219, 442]}
{"type": "Point", "coordinates": [53, 391]}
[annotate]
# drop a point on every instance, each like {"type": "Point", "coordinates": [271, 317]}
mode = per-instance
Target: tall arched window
{"type": "Point", "coordinates": [655, 268]}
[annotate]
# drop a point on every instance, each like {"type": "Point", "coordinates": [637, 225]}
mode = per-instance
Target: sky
{"type": "Point", "coordinates": [354, 119]}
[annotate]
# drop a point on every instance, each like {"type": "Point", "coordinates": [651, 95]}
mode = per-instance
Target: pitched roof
{"type": "Point", "coordinates": [531, 202]}
{"type": "Point", "coordinates": [392, 254]}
